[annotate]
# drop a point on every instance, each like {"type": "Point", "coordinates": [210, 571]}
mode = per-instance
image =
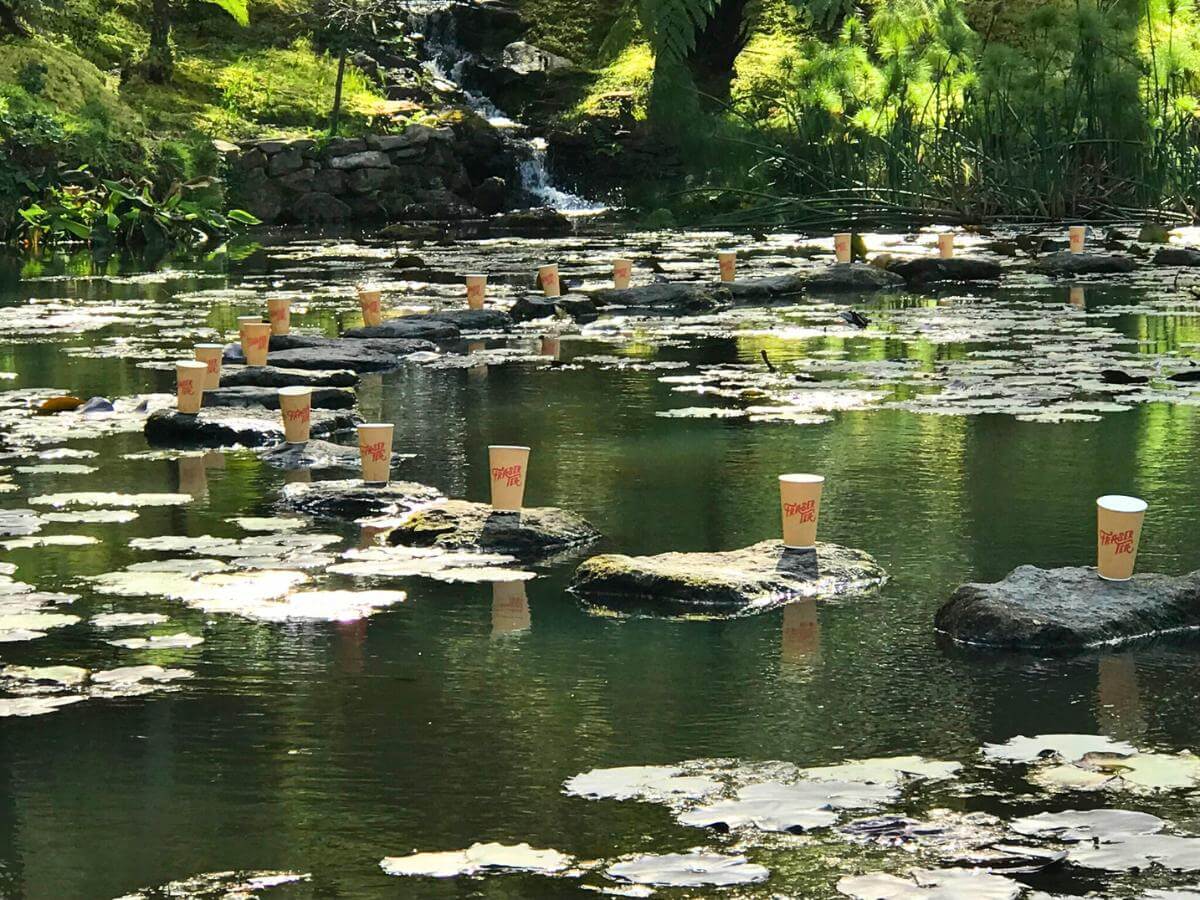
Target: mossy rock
{"type": "Point", "coordinates": [462, 525]}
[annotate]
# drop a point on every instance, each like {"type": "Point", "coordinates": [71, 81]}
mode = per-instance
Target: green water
{"type": "Point", "coordinates": [323, 747]}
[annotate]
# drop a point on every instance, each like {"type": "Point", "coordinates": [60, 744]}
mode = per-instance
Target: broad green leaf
{"type": "Point", "coordinates": [239, 9]}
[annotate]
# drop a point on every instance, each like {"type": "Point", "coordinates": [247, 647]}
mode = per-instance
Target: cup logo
{"type": "Point", "coordinates": [550, 279]}
{"type": "Point", "coordinates": [214, 365]}
{"type": "Point", "coordinates": [806, 511]}
{"type": "Point", "coordinates": [303, 414]}
{"type": "Point", "coordinates": [257, 343]}
{"type": "Point", "coordinates": [186, 388]}
{"type": "Point", "coordinates": [1120, 541]}
{"type": "Point", "coordinates": [278, 314]}
{"type": "Point", "coordinates": [622, 269]}
{"type": "Point", "coordinates": [510, 475]}
{"type": "Point", "coordinates": [376, 451]}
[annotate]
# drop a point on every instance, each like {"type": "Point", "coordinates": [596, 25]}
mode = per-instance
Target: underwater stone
{"type": "Point", "coordinates": [322, 397]}
{"type": "Point", "coordinates": [225, 427]}
{"type": "Point", "coordinates": [1068, 609]}
{"type": "Point", "coordinates": [1177, 256]}
{"type": "Point", "coordinates": [317, 455]}
{"type": "Point", "coordinates": [849, 278]}
{"type": "Point", "coordinates": [1066, 263]}
{"type": "Point", "coordinates": [462, 525]}
{"type": "Point", "coordinates": [751, 579]}
{"type": "Point", "coordinates": [352, 499]}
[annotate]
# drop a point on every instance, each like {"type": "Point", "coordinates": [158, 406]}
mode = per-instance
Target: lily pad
{"type": "Point", "coordinates": [180, 641]}
{"type": "Point", "coordinates": [124, 620]}
{"type": "Point", "coordinates": [931, 884]}
{"type": "Point", "coordinates": [654, 784]}
{"type": "Point", "coordinates": [99, 498]}
{"type": "Point", "coordinates": [694, 869]}
{"type": "Point", "coordinates": [1069, 747]}
{"type": "Point", "coordinates": [35, 706]}
{"type": "Point", "coordinates": [476, 859]}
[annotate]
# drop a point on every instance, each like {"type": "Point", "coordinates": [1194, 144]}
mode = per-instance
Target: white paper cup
{"type": "Point", "coordinates": [243, 321]}
{"type": "Point", "coordinates": [1077, 235]}
{"type": "Point", "coordinates": [256, 342]}
{"type": "Point", "coordinates": [189, 385]}
{"type": "Point", "coordinates": [800, 505]}
{"type": "Point", "coordinates": [508, 467]}
{"type": "Point", "coordinates": [842, 246]}
{"type": "Point", "coordinates": [295, 407]}
{"type": "Point", "coordinates": [727, 265]}
{"type": "Point", "coordinates": [476, 290]}
{"type": "Point", "coordinates": [375, 450]}
{"type": "Point", "coordinates": [1118, 532]}
{"type": "Point", "coordinates": [279, 314]}
{"type": "Point", "coordinates": [946, 245]}
{"type": "Point", "coordinates": [211, 355]}
{"type": "Point", "coordinates": [548, 275]}
{"type": "Point", "coordinates": [622, 273]}
{"type": "Point", "coordinates": [370, 301]}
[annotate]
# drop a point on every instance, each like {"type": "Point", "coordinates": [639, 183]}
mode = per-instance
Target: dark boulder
{"type": "Point", "coordinates": [474, 319]}
{"type": "Point", "coordinates": [667, 296]}
{"type": "Point", "coordinates": [1068, 609]}
{"type": "Point", "coordinates": [755, 290]}
{"type": "Point", "coordinates": [228, 427]}
{"type": "Point", "coordinates": [461, 525]}
{"type": "Point", "coordinates": [353, 355]}
{"type": "Point", "coordinates": [851, 278]}
{"type": "Point", "coordinates": [931, 270]}
{"type": "Point", "coordinates": [319, 207]}
{"type": "Point", "coordinates": [538, 222]}
{"type": "Point", "coordinates": [1066, 263]}
{"type": "Point", "coordinates": [537, 307]}
{"type": "Point", "coordinates": [243, 396]}
{"type": "Point", "coordinates": [352, 499]}
{"type": "Point", "coordinates": [317, 455]}
{"type": "Point", "coordinates": [1184, 257]}
{"type": "Point", "coordinates": [274, 377]}
{"type": "Point", "coordinates": [408, 327]}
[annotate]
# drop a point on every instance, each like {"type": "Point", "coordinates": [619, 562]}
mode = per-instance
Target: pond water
{"type": "Point", "coordinates": [453, 717]}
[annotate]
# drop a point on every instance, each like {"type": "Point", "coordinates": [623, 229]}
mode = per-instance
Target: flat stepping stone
{"type": "Point", "coordinates": [752, 579]}
{"type": "Point", "coordinates": [407, 327]}
{"type": "Point", "coordinates": [317, 455]}
{"type": "Point", "coordinates": [851, 278]}
{"type": "Point", "coordinates": [771, 288]}
{"type": "Point", "coordinates": [931, 270]}
{"type": "Point", "coordinates": [226, 426]}
{"type": "Point", "coordinates": [351, 499]}
{"type": "Point", "coordinates": [474, 319]}
{"type": "Point", "coordinates": [1067, 263]}
{"type": "Point", "coordinates": [1184, 257]}
{"type": "Point", "coordinates": [577, 307]}
{"type": "Point", "coordinates": [356, 356]}
{"type": "Point", "coordinates": [678, 297]}
{"type": "Point", "coordinates": [462, 525]}
{"type": "Point", "coordinates": [275, 377]}
{"type": "Point", "coordinates": [1068, 609]}
{"type": "Point", "coordinates": [322, 397]}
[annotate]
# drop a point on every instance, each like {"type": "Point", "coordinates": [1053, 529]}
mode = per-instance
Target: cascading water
{"type": "Point", "coordinates": [445, 59]}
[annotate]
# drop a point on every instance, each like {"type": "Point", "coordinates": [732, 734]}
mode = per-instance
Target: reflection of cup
{"type": "Point", "coordinates": [1119, 528]}
{"type": "Point", "coordinates": [551, 345]}
{"type": "Point", "coordinates": [800, 497]}
{"type": "Point", "coordinates": [1077, 235]}
{"type": "Point", "coordinates": [727, 262]}
{"type": "Point", "coordinates": [297, 476]}
{"type": "Point", "coordinates": [214, 460]}
{"type": "Point", "coordinates": [193, 477]}
{"type": "Point", "coordinates": [946, 245]}
{"type": "Point", "coordinates": [1119, 698]}
{"type": "Point", "coordinates": [368, 535]}
{"type": "Point", "coordinates": [295, 406]}
{"type": "Point", "coordinates": [622, 272]}
{"type": "Point", "coordinates": [210, 355]}
{"type": "Point", "coordinates": [841, 246]}
{"type": "Point", "coordinates": [189, 385]}
{"type": "Point", "coordinates": [371, 302]}
{"type": "Point", "coordinates": [1077, 298]}
{"type": "Point", "coordinates": [476, 289]}
{"type": "Point", "coordinates": [508, 467]}
{"type": "Point", "coordinates": [279, 314]}
{"type": "Point", "coordinates": [548, 276]}
{"type": "Point", "coordinates": [801, 631]}
{"type": "Point", "coordinates": [510, 607]}
{"type": "Point", "coordinates": [375, 449]}
{"type": "Point", "coordinates": [256, 341]}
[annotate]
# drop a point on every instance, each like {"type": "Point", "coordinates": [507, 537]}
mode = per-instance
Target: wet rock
{"type": "Point", "coordinates": [409, 327]}
{"type": "Point", "coordinates": [752, 290]}
{"type": "Point", "coordinates": [666, 296]}
{"type": "Point", "coordinates": [1068, 609]}
{"type": "Point", "coordinates": [227, 426]}
{"type": "Point", "coordinates": [536, 307]}
{"type": "Point", "coordinates": [317, 206]}
{"type": "Point", "coordinates": [462, 525]}
{"type": "Point", "coordinates": [352, 499]}
{"type": "Point", "coordinates": [930, 270]}
{"type": "Point", "coordinates": [317, 455]}
{"type": "Point", "coordinates": [357, 356]}
{"type": "Point", "coordinates": [275, 377]}
{"type": "Point", "coordinates": [540, 222]}
{"type": "Point", "coordinates": [491, 195]}
{"type": "Point", "coordinates": [241, 397]}
{"type": "Point", "coordinates": [1065, 263]}
{"type": "Point", "coordinates": [850, 278]}
{"type": "Point", "coordinates": [1184, 257]}
{"type": "Point", "coordinates": [747, 580]}
{"type": "Point", "coordinates": [366, 159]}
{"type": "Point", "coordinates": [475, 319]}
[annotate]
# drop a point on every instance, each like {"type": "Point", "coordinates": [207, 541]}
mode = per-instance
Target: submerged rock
{"type": "Point", "coordinates": [407, 327]}
{"type": "Point", "coordinates": [849, 278]}
{"type": "Point", "coordinates": [929, 270]}
{"type": "Point", "coordinates": [352, 499]}
{"type": "Point", "coordinates": [275, 377]}
{"type": "Point", "coordinates": [474, 319]}
{"type": "Point", "coordinates": [666, 296]}
{"type": "Point", "coordinates": [1068, 609]}
{"type": "Point", "coordinates": [774, 287]}
{"type": "Point", "coordinates": [535, 307]}
{"type": "Point", "coordinates": [462, 525]}
{"type": "Point", "coordinates": [317, 455]}
{"type": "Point", "coordinates": [225, 427]}
{"type": "Point", "coordinates": [268, 397]}
{"type": "Point", "coordinates": [1066, 263]}
{"type": "Point", "coordinates": [747, 580]}
{"type": "Point", "coordinates": [1177, 256]}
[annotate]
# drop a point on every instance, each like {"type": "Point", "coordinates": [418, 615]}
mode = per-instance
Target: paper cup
{"type": "Point", "coordinates": [510, 608]}
{"type": "Point", "coordinates": [548, 276]}
{"type": "Point", "coordinates": [622, 272]}
{"type": "Point", "coordinates": [256, 341]}
{"type": "Point", "coordinates": [189, 385]}
{"type": "Point", "coordinates": [211, 355]}
{"type": "Point", "coordinates": [476, 289]}
{"type": "Point", "coordinates": [279, 314]}
{"type": "Point", "coordinates": [841, 246]}
{"type": "Point", "coordinates": [371, 302]}
{"type": "Point", "coordinates": [800, 500]}
{"type": "Point", "coordinates": [727, 263]}
{"type": "Point", "coordinates": [1077, 236]}
{"type": "Point", "coordinates": [295, 407]}
{"type": "Point", "coordinates": [946, 245]}
{"type": "Point", "coordinates": [551, 346]}
{"type": "Point", "coordinates": [243, 321]}
{"type": "Point", "coordinates": [508, 466]}
{"type": "Point", "coordinates": [1119, 528]}
{"type": "Point", "coordinates": [375, 449]}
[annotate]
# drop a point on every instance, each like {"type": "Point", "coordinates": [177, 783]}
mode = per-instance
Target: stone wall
{"type": "Point", "coordinates": [460, 172]}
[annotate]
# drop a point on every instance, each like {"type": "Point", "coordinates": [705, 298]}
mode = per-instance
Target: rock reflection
{"type": "Point", "coordinates": [477, 372]}
{"type": "Point", "coordinates": [297, 476]}
{"type": "Point", "coordinates": [801, 644]}
{"type": "Point", "coordinates": [510, 608]}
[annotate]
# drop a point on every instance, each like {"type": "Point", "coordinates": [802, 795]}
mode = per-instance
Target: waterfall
{"type": "Point", "coordinates": [445, 60]}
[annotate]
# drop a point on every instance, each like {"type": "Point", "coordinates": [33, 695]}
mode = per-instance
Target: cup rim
{"type": "Point", "coordinates": [287, 300]}
{"type": "Point", "coordinates": [295, 390]}
{"type": "Point", "coordinates": [622, 259]}
{"type": "Point", "coordinates": [476, 275]}
{"type": "Point", "coordinates": [208, 346]}
{"type": "Point", "coordinates": [1122, 503]}
{"type": "Point", "coordinates": [191, 364]}
{"type": "Point", "coordinates": [375, 425]}
{"type": "Point", "coordinates": [545, 266]}
{"type": "Point", "coordinates": [801, 478]}
{"type": "Point", "coordinates": [260, 322]}
{"type": "Point", "coordinates": [721, 253]}
{"type": "Point", "coordinates": [506, 447]}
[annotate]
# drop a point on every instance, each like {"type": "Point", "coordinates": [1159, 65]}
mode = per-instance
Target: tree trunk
{"type": "Point", "coordinates": [337, 94]}
{"type": "Point", "coordinates": [718, 44]}
{"type": "Point", "coordinates": [159, 64]}
{"type": "Point", "coordinates": [9, 23]}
